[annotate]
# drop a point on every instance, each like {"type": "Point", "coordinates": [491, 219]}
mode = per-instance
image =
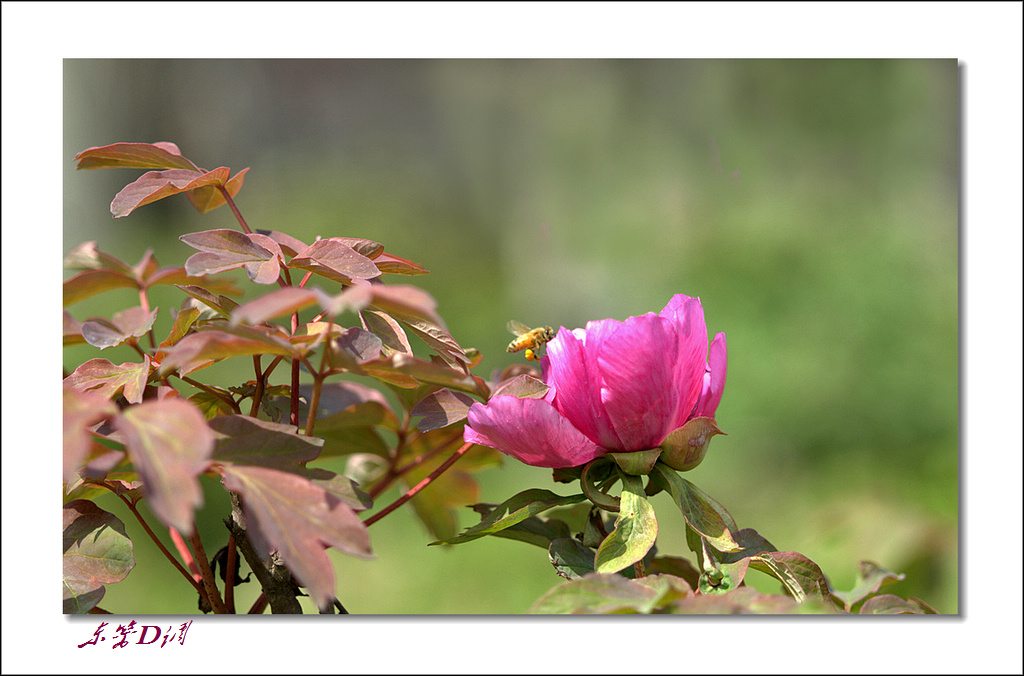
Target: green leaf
{"type": "Point", "coordinates": [704, 514]}
{"type": "Point", "coordinates": [605, 594]}
{"type": "Point", "coordinates": [97, 551]}
{"type": "Point", "coordinates": [636, 529]}
{"type": "Point", "coordinates": [536, 530]}
{"type": "Point", "coordinates": [169, 444]}
{"type": "Point", "coordinates": [220, 304]}
{"type": "Point", "coordinates": [801, 577]}
{"type": "Point", "coordinates": [570, 558]}
{"type": "Point", "coordinates": [889, 604]}
{"type": "Point", "coordinates": [872, 577]}
{"type": "Point", "coordinates": [514, 510]}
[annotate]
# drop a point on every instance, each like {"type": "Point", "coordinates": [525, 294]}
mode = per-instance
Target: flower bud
{"type": "Point", "coordinates": [686, 447]}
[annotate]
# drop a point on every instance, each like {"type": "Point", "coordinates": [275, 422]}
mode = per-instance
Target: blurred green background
{"type": "Point", "coordinates": [811, 204]}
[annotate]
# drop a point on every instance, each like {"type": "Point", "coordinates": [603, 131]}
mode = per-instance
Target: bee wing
{"type": "Point", "coordinates": [517, 328]}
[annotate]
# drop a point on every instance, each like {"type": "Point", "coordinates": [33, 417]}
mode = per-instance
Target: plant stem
{"type": "Point", "coordinates": [209, 583]}
{"type": "Point", "coordinates": [229, 576]}
{"type": "Point", "coordinates": [234, 209]}
{"type": "Point", "coordinates": [418, 487]}
{"type": "Point", "coordinates": [161, 547]}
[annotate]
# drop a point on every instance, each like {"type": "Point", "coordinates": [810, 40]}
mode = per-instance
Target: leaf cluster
{"type": "Point", "coordinates": [147, 429]}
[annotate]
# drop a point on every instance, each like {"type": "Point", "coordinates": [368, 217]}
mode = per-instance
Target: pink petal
{"type": "Point", "coordinates": [530, 430]}
{"type": "Point", "coordinates": [692, 335]}
{"type": "Point", "coordinates": [640, 379]}
{"type": "Point", "coordinates": [573, 376]}
{"type": "Point", "coordinates": [715, 379]}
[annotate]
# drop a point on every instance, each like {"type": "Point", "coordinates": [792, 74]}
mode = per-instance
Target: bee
{"type": "Point", "coordinates": [529, 339]}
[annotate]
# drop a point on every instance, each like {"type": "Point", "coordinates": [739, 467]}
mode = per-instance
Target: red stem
{"type": "Point", "coordinates": [418, 487]}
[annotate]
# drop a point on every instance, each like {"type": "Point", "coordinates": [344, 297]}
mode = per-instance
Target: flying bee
{"type": "Point", "coordinates": [529, 339]}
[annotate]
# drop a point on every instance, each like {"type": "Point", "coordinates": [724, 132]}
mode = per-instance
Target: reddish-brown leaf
{"type": "Point", "coordinates": [97, 551]}
{"type": "Point", "coordinates": [133, 322]}
{"type": "Point", "coordinates": [391, 264]}
{"type": "Point", "coordinates": [81, 411]}
{"type": "Point", "coordinates": [208, 198]}
{"type": "Point", "coordinates": [156, 185]}
{"type": "Point", "coordinates": [106, 379]}
{"type": "Point", "coordinates": [91, 282]}
{"type": "Point", "coordinates": [224, 249]}
{"type": "Point", "coordinates": [177, 276]}
{"type": "Point", "coordinates": [200, 349]}
{"type": "Point", "coordinates": [170, 445]}
{"type": "Point", "coordinates": [221, 304]}
{"type": "Point", "coordinates": [289, 245]}
{"type": "Point", "coordinates": [242, 440]}
{"type": "Point", "coordinates": [72, 330]}
{"type": "Point", "coordinates": [440, 409]}
{"type": "Point", "coordinates": [86, 256]}
{"type": "Point", "coordinates": [333, 259]}
{"type": "Point", "coordinates": [274, 304]}
{"type": "Point", "coordinates": [160, 155]}
{"type": "Point", "coordinates": [298, 518]}
{"type": "Point", "coordinates": [392, 335]}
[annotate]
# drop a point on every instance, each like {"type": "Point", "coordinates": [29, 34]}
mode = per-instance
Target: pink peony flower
{"type": "Point", "coordinates": [615, 387]}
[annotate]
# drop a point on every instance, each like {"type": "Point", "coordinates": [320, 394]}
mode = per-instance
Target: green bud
{"type": "Point", "coordinates": [686, 447]}
{"type": "Point", "coordinates": [637, 463]}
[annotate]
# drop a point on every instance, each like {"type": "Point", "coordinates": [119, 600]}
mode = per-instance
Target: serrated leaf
{"type": "Point", "coordinates": [97, 551]}
{"type": "Point", "coordinates": [636, 529]}
{"type": "Point", "coordinates": [514, 510]}
{"type": "Point", "coordinates": [298, 518]}
{"type": "Point", "coordinates": [704, 514]}
{"type": "Point", "coordinates": [156, 185]}
{"type": "Point", "coordinates": [131, 323]}
{"type": "Point", "coordinates": [569, 557]}
{"type": "Point", "coordinates": [159, 155]}
{"type": "Point", "coordinates": [335, 260]}
{"type": "Point", "coordinates": [169, 444]}
{"type": "Point", "coordinates": [440, 409]}
{"type": "Point", "coordinates": [106, 379]}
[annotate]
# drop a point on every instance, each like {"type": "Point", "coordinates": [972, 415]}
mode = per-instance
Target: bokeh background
{"type": "Point", "coordinates": [811, 204]}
